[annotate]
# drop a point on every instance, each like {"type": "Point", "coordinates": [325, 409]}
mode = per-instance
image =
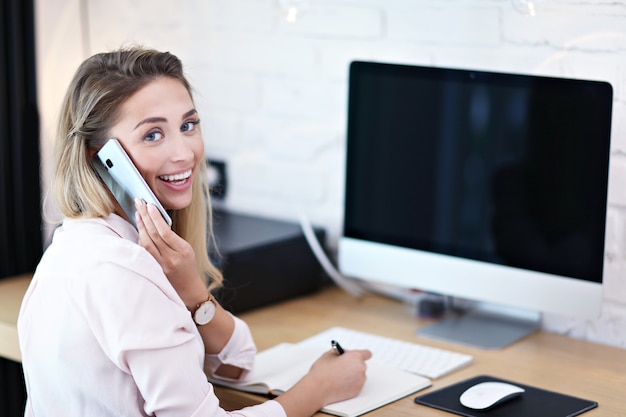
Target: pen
{"type": "Point", "coordinates": [337, 347]}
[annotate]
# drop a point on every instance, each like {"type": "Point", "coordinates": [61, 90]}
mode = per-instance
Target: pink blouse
{"type": "Point", "coordinates": [103, 333]}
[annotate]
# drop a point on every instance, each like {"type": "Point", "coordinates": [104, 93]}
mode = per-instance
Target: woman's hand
{"type": "Point", "coordinates": [173, 253]}
{"type": "Point", "coordinates": [178, 260]}
{"type": "Point", "coordinates": [343, 375]}
{"type": "Point", "coordinates": [332, 378]}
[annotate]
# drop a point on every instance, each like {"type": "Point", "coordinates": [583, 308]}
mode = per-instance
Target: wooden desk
{"type": "Point", "coordinates": [548, 361]}
{"type": "Point", "coordinates": [11, 293]}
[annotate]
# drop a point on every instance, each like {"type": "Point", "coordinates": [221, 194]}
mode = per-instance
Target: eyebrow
{"type": "Point", "coordinates": [163, 119]}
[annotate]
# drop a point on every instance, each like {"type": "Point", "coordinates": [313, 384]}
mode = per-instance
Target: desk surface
{"type": "Point", "coordinates": [548, 361]}
{"type": "Point", "coordinates": [11, 294]}
{"type": "Point", "coordinates": [574, 367]}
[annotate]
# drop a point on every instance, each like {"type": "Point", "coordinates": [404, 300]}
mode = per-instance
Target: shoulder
{"type": "Point", "coordinates": [97, 230]}
{"type": "Point", "coordinates": [93, 252]}
{"type": "Point", "coordinates": [101, 241]}
{"type": "Point", "coordinates": [99, 265]}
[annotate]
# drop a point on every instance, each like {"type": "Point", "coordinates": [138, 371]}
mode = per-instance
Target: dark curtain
{"type": "Point", "coordinates": [20, 191]}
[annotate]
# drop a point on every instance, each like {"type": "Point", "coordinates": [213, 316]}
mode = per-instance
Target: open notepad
{"type": "Point", "coordinates": [279, 368]}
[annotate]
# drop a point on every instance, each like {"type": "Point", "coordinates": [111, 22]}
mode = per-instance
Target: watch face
{"type": "Point", "coordinates": [204, 313]}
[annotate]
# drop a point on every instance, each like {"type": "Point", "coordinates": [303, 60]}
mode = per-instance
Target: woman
{"type": "Point", "coordinates": [117, 320]}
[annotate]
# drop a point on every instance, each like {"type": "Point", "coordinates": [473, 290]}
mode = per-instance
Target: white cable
{"type": "Point", "coordinates": [347, 285]}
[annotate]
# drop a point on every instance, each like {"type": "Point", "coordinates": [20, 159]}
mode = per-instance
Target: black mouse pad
{"type": "Point", "coordinates": [533, 402]}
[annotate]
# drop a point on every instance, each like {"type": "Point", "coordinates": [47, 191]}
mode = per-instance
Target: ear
{"type": "Point", "coordinates": [91, 152]}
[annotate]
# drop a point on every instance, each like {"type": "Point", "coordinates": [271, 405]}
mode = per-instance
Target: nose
{"type": "Point", "coordinates": [181, 149]}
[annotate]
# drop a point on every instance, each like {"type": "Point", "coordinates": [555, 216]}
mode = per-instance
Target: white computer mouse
{"type": "Point", "coordinates": [487, 394]}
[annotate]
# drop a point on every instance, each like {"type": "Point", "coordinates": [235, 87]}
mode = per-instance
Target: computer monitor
{"type": "Point", "coordinates": [482, 186]}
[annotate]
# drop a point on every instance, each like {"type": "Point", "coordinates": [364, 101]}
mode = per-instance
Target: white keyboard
{"type": "Point", "coordinates": [412, 357]}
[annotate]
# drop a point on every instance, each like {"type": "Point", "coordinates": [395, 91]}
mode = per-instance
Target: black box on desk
{"type": "Point", "coordinates": [263, 261]}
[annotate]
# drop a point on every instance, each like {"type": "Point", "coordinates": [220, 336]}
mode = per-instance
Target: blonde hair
{"type": "Point", "coordinates": [91, 106]}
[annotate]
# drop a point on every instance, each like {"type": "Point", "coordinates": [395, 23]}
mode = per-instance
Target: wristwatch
{"type": "Point", "coordinates": [205, 311]}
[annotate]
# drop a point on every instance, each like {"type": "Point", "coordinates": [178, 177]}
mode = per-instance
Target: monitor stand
{"type": "Point", "coordinates": [485, 326]}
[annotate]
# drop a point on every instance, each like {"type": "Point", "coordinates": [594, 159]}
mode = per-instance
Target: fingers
{"type": "Point", "coordinates": [345, 374]}
{"type": "Point", "coordinates": [146, 228]}
{"type": "Point", "coordinates": [150, 217]}
{"type": "Point", "coordinates": [144, 236]}
{"type": "Point", "coordinates": [154, 232]}
{"type": "Point", "coordinates": [157, 219]}
{"type": "Point", "coordinates": [363, 354]}
{"type": "Point", "coordinates": [172, 252]}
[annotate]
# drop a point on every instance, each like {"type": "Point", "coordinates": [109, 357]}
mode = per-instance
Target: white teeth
{"type": "Point", "coordinates": [177, 177]}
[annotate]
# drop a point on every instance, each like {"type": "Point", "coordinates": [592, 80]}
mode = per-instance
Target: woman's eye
{"type": "Point", "coordinates": [189, 126]}
{"type": "Point", "coordinates": [153, 136]}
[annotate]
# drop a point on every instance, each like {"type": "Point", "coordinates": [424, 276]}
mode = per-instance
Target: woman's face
{"type": "Point", "coordinates": [158, 128]}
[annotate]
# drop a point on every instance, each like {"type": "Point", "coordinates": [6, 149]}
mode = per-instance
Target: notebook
{"type": "Point", "coordinates": [279, 368]}
{"type": "Point", "coordinates": [533, 402]}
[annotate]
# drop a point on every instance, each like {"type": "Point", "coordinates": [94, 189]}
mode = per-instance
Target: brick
{"type": "Point", "coordinates": [614, 236]}
{"type": "Point", "coordinates": [333, 21]}
{"type": "Point", "coordinates": [243, 16]}
{"type": "Point", "coordinates": [221, 90]}
{"type": "Point", "coordinates": [312, 98]}
{"type": "Point", "coordinates": [444, 23]}
{"type": "Point", "coordinates": [566, 28]}
{"type": "Point", "coordinates": [262, 177]}
{"type": "Point", "coordinates": [615, 280]}
{"type": "Point", "coordinates": [243, 53]}
{"type": "Point", "coordinates": [290, 139]}
{"type": "Point", "coordinates": [618, 129]}
{"type": "Point", "coordinates": [617, 177]}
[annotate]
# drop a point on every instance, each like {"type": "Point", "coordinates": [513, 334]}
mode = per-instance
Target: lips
{"type": "Point", "coordinates": [176, 179]}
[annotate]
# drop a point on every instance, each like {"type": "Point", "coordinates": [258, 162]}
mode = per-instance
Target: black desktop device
{"type": "Point", "coordinates": [263, 261]}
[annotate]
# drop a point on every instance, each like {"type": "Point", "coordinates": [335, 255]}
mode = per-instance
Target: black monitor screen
{"type": "Point", "coordinates": [503, 168]}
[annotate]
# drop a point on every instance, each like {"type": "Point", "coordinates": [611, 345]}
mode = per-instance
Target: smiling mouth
{"type": "Point", "coordinates": [176, 179]}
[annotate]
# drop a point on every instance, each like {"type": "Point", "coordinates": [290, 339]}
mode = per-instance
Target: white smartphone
{"type": "Point", "coordinates": [124, 180]}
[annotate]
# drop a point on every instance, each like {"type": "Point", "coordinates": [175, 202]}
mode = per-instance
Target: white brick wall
{"type": "Point", "coordinates": [272, 94]}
